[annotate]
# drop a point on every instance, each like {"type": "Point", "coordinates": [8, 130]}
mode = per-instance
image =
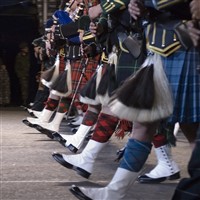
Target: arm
{"type": "Point", "coordinates": [107, 7]}
{"type": "Point", "coordinates": [195, 9]}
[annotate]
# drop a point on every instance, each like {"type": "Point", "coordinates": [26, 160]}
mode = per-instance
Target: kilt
{"type": "Point", "coordinates": [127, 65]}
{"type": "Point", "coordinates": [145, 96]}
{"type": "Point", "coordinates": [77, 70]}
{"type": "Point", "coordinates": [49, 76]}
{"type": "Point", "coordinates": [67, 81]}
{"type": "Point", "coordinates": [184, 81]}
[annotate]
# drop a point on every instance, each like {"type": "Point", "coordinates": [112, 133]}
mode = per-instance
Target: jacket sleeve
{"type": "Point", "coordinates": [110, 6]}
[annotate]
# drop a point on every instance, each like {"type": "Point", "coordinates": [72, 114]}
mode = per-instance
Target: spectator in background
{"type": "Point", "coordinates": [22, 68]}
{"type": "Point", "coordinates": [4, 85]}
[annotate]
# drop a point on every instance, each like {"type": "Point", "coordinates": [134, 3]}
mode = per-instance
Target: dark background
{"type": "Point", "coordinates": [19, 22]}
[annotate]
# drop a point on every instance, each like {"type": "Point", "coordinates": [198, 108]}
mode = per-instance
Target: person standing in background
{"type": "Point", "coordinates": [4, 85]}
{"type": "Point", "coordinates": [22, 68]}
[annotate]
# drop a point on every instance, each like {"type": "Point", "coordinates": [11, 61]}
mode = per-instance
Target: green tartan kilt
{"type": "Point", "coordinates": [127, 65]}
{"type": "Point", "coordinates": [103, 89]}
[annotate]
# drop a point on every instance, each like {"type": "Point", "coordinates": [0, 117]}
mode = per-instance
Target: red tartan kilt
{"type": "Point", "coordinates": [76, 72]}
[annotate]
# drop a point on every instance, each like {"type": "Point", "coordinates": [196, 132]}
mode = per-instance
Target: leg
{"type": "Point", "coordinates": [188, 188]}
{"type": "Point", "coordinates": [40, 99]}
{"type": "Point", "coordinates": [46, 113]}
{"type": "Point", "coordinates": [83, 162]}
{"type": "Point", "coordinates": [136, 154]}
{"type": "Point", "coordinates": [50, 127]}
{"type": "Point", "coordinates": [166, 167]}
{"type": "Point", "coordinates": [74, 142]}
{"type": "Point", "coordinates": [80, 113]}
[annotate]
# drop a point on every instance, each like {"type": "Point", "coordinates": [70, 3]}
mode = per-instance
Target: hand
{"type": "Point", "coordinates": [134, 9]}
{"type": "Point", "coordinates": [195, 9]}
{"type": "Point", "coordinates": [95, 11]}
{"type": "Point", "coordinates": [193, 32]}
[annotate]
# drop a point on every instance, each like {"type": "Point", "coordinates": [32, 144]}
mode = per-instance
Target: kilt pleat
{"type": "Point", "coordinates": [184, 81]}
{"type": "Point", "coordinates": [81, 74]}
{"type": "Point", "coordinates": [49, 76]}
{"type": "Point", "coordinates": [127, 65]}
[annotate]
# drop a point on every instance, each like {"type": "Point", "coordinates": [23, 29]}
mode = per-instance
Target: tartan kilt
{"type": "Point", "coordinates": [100, 87]}
{"type": "Point", "coordinates": [88, 94]}
{"type": "Point", "coordinates": [184, 80]}
{"type": "Point", "coordinates": [80, 74]}
{"type": "Point", "coordinates": [126, 66]}
{"type": "Point", "coordinates": [104, 81]}
{"type": "Point", "coordinates": [145, 96]}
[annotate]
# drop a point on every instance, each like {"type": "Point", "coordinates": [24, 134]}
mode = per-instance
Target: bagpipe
{"type": "Point", "coordinates": [52, 77]}
{"type": "Point", "coordinates": [66, 22]}
{"type": "Point", "coordinates": [68, 19]}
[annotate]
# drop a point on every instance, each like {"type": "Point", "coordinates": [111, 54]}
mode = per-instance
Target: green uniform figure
{"type": "Point", "coordinates": [22, 67]}
{"type": "Point", "coordinates": [4, 85]}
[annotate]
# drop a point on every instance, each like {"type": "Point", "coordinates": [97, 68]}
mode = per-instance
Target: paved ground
{"type": "Point", "coordinates": [28, 171]}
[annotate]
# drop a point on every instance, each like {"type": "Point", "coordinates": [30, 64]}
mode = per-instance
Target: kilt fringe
{"type": "Point", "coordinates": [88, 93]}
{"type": "Point", "coordinates": [108, 81]}
{"type": "Point", "coordinates": [135, 85]}
{"type": "Point", "coordinates": [63, 85]}
{"type": "Point", "coordinates": [162, 105]}
{"type": "Point", "coordinates": [49, 76]}
{"type": "Point", "coordinates": [86, 100]}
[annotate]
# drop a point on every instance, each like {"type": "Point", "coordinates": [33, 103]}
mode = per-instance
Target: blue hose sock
{"type": "Point", "coordinates": [135, 155]}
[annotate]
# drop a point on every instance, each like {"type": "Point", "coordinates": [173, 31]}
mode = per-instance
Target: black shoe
{"type": "Point", "coordinates": [146, 179]}
{"type": "Point", "coordinates": [59, 158]}
{"type": "Point", "coordinates": [72, 148]}
{"type": "Point", "coordinates": [59, 138]}
{"type": "Point", "coordinates": [62, 141]}
{"type": "Point", "coordinates": [27, 123]}
{"type": "Point", "coordinates": [74, 125]}
{"type": "Point", "coordinates": [78, 193]}
{"type": "Point", "coordinates": [45, 131]}
{"type": "Point", "coordinates": [74, 130]}
{"type": "Point", "coordinates": [32, 114]}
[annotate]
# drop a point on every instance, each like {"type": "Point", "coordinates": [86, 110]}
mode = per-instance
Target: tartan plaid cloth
{"type": "Point", "coordinates": [127, 65]}
{"type": "Point", "coordinates": [76, 71]}
{"type": "Point", "coordinates": [184, 81]}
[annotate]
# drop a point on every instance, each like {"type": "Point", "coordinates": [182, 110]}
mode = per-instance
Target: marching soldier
{"type": "Point", "coordinates": [179, 59]}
